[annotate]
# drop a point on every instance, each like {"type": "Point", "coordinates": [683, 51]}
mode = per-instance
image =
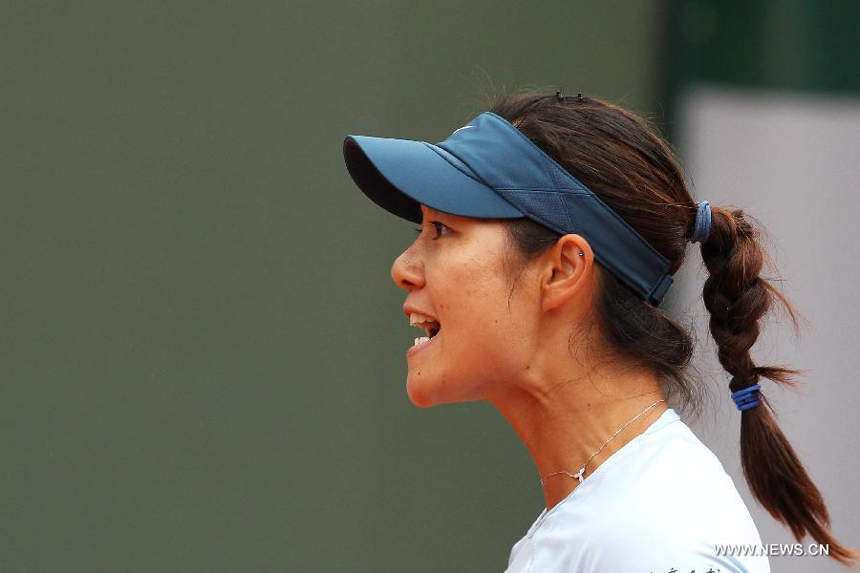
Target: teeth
{"type": "Point", "coordinates": [423, 322]}
{"type": "Point", "coordinates": [420, 339]}
{"type": "Point", "coordinates": [416, 319]}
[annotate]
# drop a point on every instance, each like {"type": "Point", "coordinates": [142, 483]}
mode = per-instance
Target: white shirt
{"type": "Point", "coordinates": [659, 504]}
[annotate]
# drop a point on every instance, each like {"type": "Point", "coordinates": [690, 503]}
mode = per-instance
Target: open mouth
{"type": "Point", "coordinates": [431, 329]}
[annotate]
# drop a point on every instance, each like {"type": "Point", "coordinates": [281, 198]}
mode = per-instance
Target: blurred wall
{"type": "Point", "coordinates": [202, 349]}
{"type": "Point", "coordinates": [766, 100]}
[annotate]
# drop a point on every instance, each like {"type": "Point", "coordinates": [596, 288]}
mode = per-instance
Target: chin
{"type": "Point", "coordinates": [424, 391]}
{"type": "Point", "coordinates": [422, 399]}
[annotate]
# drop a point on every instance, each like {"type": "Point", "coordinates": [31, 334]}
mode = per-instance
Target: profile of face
{"type": "Point", "coordinates": [457, 271]}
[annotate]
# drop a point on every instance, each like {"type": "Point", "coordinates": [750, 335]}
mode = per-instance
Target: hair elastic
{"type": "Point", "coordinates": [744, 399]}
{"type": "Point", "coordinates": [702, 227]}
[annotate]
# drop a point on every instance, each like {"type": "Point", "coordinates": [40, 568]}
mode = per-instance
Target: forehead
{"type": "Point", "coordinates": [431, 212]}
{"type": "Point", "coordinates": [428, 210]}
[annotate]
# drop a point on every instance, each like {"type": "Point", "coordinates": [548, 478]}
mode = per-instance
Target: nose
{"type": "Point", "coordinates": [407, 272]}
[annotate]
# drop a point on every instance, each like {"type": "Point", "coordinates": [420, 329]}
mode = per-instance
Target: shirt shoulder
{"type": "Point", "coordinates": [666, 502]}
{"type": "Point", "coordinates": [672, 482]}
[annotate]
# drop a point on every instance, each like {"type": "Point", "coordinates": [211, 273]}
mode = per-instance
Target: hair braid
{"type": "Point", "coordinates": [737, 297]}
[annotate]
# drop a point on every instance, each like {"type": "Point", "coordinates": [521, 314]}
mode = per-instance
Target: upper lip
{"type": "Point", "coordinates": [408, 310]}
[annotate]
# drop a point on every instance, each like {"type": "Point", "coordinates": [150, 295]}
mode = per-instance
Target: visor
{"type": "Point", "coordinates": [488, 169]}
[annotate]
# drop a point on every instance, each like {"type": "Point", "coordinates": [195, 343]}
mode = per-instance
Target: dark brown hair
{"type": "Point", "coordinates": [620, 158]}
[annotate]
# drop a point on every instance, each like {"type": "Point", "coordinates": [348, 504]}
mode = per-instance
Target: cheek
{"type": "Point", "coordinates": [484, 331]}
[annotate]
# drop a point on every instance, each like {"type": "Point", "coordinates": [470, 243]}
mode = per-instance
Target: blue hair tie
{"type": "Point", "coordinates": [744, 399]}
{"type": "Point", "coordinates": [702, 228]}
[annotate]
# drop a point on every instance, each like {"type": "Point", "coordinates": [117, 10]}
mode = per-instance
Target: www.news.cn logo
{"type": "Point", "coordinates": [773, 550]}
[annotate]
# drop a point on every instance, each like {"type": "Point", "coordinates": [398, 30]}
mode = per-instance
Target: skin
{"type": "Point", "coordinates": [529, 346]}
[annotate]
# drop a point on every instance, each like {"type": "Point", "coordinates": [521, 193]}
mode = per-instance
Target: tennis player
{"type": "Point", "coordinates": [550, 231]}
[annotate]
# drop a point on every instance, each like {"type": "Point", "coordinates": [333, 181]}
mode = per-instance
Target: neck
{"type": "Point", "coordinates": [563, 423]}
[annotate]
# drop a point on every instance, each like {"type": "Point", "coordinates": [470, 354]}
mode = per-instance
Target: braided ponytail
{"type": "Point", "coordinates": [737, 297]}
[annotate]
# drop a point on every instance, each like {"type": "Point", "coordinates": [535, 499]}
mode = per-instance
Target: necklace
{"type": "Point", "coordinates": [578, 475]}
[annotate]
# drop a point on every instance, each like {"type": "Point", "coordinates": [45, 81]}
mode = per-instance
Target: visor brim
{"type": "Point", "coordinates": [400, 174]}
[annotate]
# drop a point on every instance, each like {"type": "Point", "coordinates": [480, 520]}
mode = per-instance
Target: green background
{"type": "Point", "coordinates": [203, 351]}
{"type": "Point", "coordinates": [202, 348]}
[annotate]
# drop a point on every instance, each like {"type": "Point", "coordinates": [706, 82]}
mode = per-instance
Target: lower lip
{"type": "Point", "coordinates": [413, 350]}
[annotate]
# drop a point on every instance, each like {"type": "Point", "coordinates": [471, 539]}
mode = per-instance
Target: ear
{"type": "Point", "coordinates": [568, 271]}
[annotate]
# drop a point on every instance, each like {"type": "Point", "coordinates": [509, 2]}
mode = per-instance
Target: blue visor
{"type": "Point", "coordinates": [488, 169]}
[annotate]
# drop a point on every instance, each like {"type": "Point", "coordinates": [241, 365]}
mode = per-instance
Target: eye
{"type": "Point", "coordinates": [438, 226]}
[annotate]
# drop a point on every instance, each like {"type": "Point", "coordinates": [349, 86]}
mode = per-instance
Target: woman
{"type": "Point", "coordinates": [551, 227]}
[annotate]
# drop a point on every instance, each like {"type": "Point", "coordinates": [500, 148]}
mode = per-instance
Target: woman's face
{"type": "Point", "coordinates": [455, 273]}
